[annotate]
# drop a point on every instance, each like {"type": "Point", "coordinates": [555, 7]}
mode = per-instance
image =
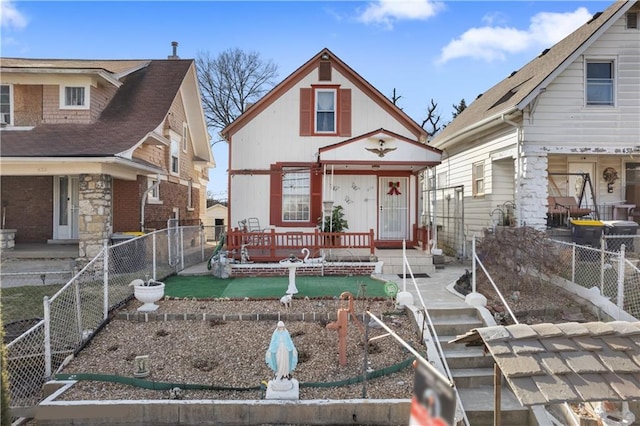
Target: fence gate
{"type": "Point", "coordinates": [445, 209]}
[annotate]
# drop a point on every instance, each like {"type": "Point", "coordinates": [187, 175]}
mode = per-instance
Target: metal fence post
{"type": "Point", "coordinates": [47, 337]}
{"type": "Point", "coordinates": [473, 264]}
{"type": "Point", "coordinates": [573, 262]}
{"type": "Point", "coordinates": [105, 280]}
{"type": "Point", "coordinates": [602, 243]}
{"type": "Point", "coordinates": [181, 248]}
{"type": "Point", "coordinates": [153, 245]}
{"type": "Point", "coordinates": [621, 263]}
{"type": "Point", "coordinates": [76, 291]}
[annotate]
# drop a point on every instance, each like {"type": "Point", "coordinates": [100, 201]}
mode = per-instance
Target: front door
{"type": "Point", "coordinates": [65, 209]}
{"type": "Point", "coordinates": [393, 207]}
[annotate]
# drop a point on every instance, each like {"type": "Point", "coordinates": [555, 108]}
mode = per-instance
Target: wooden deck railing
{"type": "Point", "coordinates": [272, 246]}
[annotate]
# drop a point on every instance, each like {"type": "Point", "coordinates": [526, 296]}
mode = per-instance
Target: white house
{"type": "Point", "coordinates": [325, 134]}
{"type": "Point", "coordinates": [567, 124]}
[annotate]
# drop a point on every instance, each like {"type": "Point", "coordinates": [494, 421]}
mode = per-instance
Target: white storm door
{"type": "Point", "coordinates": [576, 182]}
{"type": "Point", "coordinates": [65, 209]}
{"type": "Point", "coordinates": [393, 208]}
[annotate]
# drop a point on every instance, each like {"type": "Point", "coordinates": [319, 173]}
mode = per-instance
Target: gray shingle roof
{"type": "Point", "coordinates": [570, 362]}
{"type": "Point", "coordinates": [138, 107]}
{"type": "Point", "coordinates": [509, 92]}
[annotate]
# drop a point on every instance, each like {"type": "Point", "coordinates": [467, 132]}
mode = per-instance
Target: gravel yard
{"type": "Point", "coordinates": [232, 353]}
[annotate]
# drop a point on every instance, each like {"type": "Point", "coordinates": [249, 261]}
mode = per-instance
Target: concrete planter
{"type": "Point", "coordinates": [148, 295]}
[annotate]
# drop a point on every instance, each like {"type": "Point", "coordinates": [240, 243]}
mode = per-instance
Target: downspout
{"type": "Point", "coordinates": [518, 158]}
{"type": "Point", "coordinates": [144, 201]}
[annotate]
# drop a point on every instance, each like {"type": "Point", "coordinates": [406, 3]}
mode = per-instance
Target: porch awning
{"type": "Point", "coordinates": [567, 362]}
{"type": "Point", "coordinates": [380, 149]}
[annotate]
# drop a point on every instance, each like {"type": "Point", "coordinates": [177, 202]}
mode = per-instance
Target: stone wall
{"type": "Point", "coordinates": [95, 214]}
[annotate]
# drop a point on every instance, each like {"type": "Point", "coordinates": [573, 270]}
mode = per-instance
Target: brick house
{"type": "Point", "coordinates": [94, 147]}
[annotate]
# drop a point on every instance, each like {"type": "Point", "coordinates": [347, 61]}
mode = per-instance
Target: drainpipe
{"type": "Point", "coordinates": [144, 201]}
{"type": "Point", "coordinates": [518, 157]}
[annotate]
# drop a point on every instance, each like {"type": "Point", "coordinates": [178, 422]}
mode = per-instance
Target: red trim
{"type": "Point", "coordinates": [275, 196]}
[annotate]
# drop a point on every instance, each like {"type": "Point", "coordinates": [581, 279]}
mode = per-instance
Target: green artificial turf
{"type": "Point", "coordinates": [207, 286]}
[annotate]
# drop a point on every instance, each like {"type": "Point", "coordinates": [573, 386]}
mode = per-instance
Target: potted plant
{"type": "Point", "coordinates": [148, 293]}
{"type": "Point", "coordinates": [335, 222]}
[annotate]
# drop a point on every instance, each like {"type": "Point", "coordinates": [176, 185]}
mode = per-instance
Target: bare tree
{"type": "Point", "coordinates": [395, 98]}
{"type": "Point", "coordinates": [433, 118]}
{"type": "Point", "coordinates": [457, 109]}
{"type": "Point", "coordinates": [231, 82]}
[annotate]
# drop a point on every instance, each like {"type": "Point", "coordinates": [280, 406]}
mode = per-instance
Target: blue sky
{"type": "Point", "coordinates": [445, 51]}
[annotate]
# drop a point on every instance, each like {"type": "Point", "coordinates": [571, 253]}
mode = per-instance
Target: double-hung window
{"type": "Point", "coordinates": [478, 178]}
{"type": "Point", "coordinates": [175, 157]}
{"type": "Point", "coordinates": [296, 195]}
{"type": "Point", "coordinates": [325, 111]}
{"type": "Point", "coordinates": [154, 194]}
{"type": "Point", "coordinates": [600, 83]}
{"type": "Point", "coordinates": [5, 104]}
{"type": "Point", "coordinates": [74, 97]}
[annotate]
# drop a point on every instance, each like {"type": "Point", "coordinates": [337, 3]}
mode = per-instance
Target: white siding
{"type": "Point", "coordinates": [458, 167]}
{"type": "Point", "coordinates": [562, 122]}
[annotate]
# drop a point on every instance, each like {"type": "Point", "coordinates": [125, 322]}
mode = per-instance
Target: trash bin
{"type": "Point", "coordinates": [128, 257]}
{"type": "Point", "coordinates": [586, 232]}
{"type": "Point", "coordinates": [620, 227]}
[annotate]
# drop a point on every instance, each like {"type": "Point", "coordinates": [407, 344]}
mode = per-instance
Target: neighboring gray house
{"type": "Point", "coordinates": [573, 110]}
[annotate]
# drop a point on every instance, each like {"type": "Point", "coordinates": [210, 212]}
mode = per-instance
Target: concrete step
{"type": "Point", "coordinates": [466, 378]}
{"type": "Point", "coordinates": [468, 358]}
{"type": "Point", "coordinates": [397, 269]}
{"type": "Point", "coordinates": [479, 406]}
{"type": "Point", "coordinates": [444, 343]}
{"type": "Point", "coordinates": [455, 325]}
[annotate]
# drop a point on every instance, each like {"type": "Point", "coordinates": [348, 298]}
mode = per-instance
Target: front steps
{"type": "Point", "coordinates": [472, 370]}
{"type": "Point", "coordinates": [421, 261]}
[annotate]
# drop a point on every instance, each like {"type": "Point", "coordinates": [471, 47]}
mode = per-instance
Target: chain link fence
{"type": "Point", "coordinates": [75, 310]}
{"type": "Point", "coordinates": [612, 273]}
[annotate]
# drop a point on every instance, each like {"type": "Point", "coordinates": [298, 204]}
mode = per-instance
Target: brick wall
{"type": "Point", "coordinates": [267, 270]}
{"type": "Point", "coordinates": [126, 204]}
{"type": "Point", "coordinates": [29, 207]}
{"type": "Point", "coordinates": [172, 194]}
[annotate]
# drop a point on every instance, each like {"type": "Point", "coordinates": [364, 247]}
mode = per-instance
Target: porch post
{"type": "Point", "coordinates": [95, 214]}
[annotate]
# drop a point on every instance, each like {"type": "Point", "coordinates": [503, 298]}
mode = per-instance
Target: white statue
{"type": "Point", "coordinates": [282, 355]}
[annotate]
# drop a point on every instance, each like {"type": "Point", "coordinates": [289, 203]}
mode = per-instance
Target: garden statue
{"type": "Point", "coordinates": [282, 355]}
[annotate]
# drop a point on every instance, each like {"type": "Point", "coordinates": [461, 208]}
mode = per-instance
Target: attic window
{"type": "Point", "coordinates": [632, 20]}
{"type": "Point", "coordinates": [74, 97]}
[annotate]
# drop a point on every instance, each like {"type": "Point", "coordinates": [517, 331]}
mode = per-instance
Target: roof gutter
{"type": "Point", "coordinates": [91, 71]}
{"type": "Point", "coordinates": [474, 129]}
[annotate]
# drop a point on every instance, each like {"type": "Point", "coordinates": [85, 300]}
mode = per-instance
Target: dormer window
{"type": "Point", "coordinates": [5, 105]}
{"type": "Point", "coordinates": [74, 97]}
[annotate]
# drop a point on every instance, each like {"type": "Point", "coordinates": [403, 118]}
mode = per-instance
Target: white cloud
{"type": "Point", "coordinates": [10, 17]}
{"type": "Point", "coordinates": [495, 43]}
{"type": "Point", "coordinates": [386, 12]}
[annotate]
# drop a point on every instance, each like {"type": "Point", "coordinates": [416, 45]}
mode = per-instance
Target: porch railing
{"type": "Point", "coordinates": [272, 246]}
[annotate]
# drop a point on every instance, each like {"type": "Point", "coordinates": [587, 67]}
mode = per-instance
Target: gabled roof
{"type": "Point", "coordinates": [568, 362]}
{"type": "Point", "coordinates": [521, 87]}
{"type": "Point", "coordinates": [303, 71]}
{"type": "Point", "coordinates": [380, 149]}
{"type": "Point", "coordinates": [139, 106]}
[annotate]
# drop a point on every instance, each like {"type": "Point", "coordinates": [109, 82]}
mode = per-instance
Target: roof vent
{"type": "Point", "coordinates": [479, 96]}
{"type": "Point", "coordinates": [544, 52]}
{"type": "Point", "coordinates": [594, 17]}
{"type": "Point", "coordinates": [174, 44]}
{"type": "Point", "coordinates": [512, 74]}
